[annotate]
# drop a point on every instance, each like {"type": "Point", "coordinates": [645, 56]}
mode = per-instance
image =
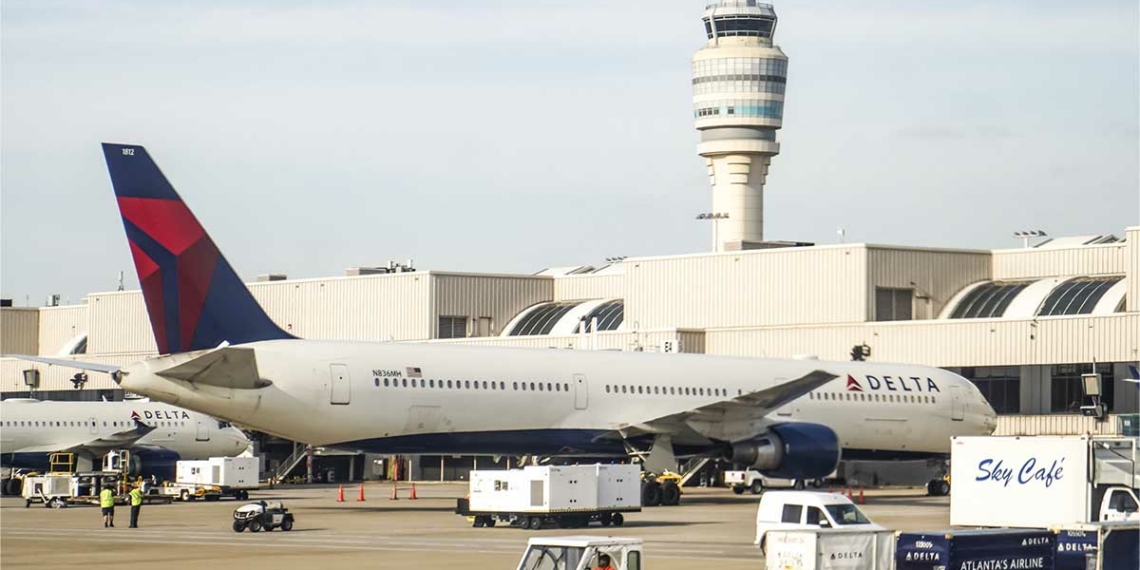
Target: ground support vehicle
{"type": "Point", "coordinates": [755, 482]}
{"type": "Point", "coordinates": [1099, 546]}
{"type": "Point", "coordinates": [261, 516]}
{"type": "Point", "coordinates": [807, 510]}
{"type": "Point", "coordinates": [660, 490]}
{"type": "Point", "coordinates": [1044, 481]}
{"type": "Point", "coordinates": [581, 553]}
{"type": "Point", "coordinates": [569, 496]}
{"type": "Point", "coordinates": [213, 478]}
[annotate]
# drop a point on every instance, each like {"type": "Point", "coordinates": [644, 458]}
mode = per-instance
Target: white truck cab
{"type": "Point", "coordinates": [581, 553]}
{"type": "Point", "coordinates": [793, 510]}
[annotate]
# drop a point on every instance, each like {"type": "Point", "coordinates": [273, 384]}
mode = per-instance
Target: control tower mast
{"type": "Point", "coordinates": [738, 104]}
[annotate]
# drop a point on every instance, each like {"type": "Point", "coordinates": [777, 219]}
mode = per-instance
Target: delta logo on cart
{"type": "Point", "coordinates": [892, 384]}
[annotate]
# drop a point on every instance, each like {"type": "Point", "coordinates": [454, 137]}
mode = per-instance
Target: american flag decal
{"type": "Point", "coordinates": [415, 372]}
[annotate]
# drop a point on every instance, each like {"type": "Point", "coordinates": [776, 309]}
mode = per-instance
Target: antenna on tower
{"type": "Point", "coordinates": [120, 280]}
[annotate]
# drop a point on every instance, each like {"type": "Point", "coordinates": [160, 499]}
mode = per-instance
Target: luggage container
{"type": "Point", "coordinates": [980, 549]}
{"type": "Point", "coordinates": [1099, 546]}
{"type": "Point", "coordinates": [829, 549]}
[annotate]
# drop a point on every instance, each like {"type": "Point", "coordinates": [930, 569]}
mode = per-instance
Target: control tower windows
{"type": "Point", "coordinates": [741, 108]}
{"type": "Point", "coordinates": [740, 25]}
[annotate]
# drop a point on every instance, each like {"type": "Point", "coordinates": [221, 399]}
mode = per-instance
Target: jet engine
{"type": "Point", "coordinates": [790, 451]}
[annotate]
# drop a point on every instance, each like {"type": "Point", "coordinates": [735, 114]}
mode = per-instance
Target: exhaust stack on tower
{"type": "Point", "coordinates": [738, 104]}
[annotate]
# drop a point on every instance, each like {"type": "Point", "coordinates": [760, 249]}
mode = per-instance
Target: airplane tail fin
{"type": "Point", "coordinates": [194, 298]}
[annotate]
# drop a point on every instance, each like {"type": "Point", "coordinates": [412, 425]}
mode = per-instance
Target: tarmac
{"type": "Point", "coordinates": [712, 527]}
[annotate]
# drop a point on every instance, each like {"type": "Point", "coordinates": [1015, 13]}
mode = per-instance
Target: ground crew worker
{"type": "Point", "coordinates": [136, 496]}
{"type": "Point", "coordinates": [604, 562]}
{"type": "Point", "coordinates": [107, 502]}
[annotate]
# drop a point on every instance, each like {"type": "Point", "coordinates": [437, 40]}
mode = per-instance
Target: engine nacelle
{"type": "Point", "coordinates": [790, 451]}
{"type": "Point", "coordinates": [157, 462]}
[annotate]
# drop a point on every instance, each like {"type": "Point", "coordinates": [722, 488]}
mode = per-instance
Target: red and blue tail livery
{"type": "Point", "coordinates": [195, 299]}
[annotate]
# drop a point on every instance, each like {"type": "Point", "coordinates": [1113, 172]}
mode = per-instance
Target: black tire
{"type": "Point", "coordinates": [239, 526]}
{"type": "Point", "coordinates": [4, 487]}
{"type": "Point", "coordinates": [184, 496]}
{"type": "Point", "coordinates": [287, 525]}
{"type": "Point", "coordinates": [757, 487]}
{"type": "Point", "coordinates": [15, 486]}
{"type": "Point", "coordinates": [606, 519]}
{"type": "Point", "coordinates": [618, 519]}
{"type": "Point", "coordinates": [254, 525]}
{"type": "Point", "coordinates": [943, 488]}
{"type": "Point", "coordinates": [798, 485]}
{"type": "Point", "coordinates": [534, 523]}
{"type": "Point", "coordinates": [738, 489]}
{"type": "Point", "coordinates": [477, 523]}
{"type": "Point", "coordinates": [245, 495]}
{"type": "Point", "coordinates": [670, 494]}
{"type": "Point", "coordinates": [490, 522]}
{"type": "Point", "coordinates": [650, 494]}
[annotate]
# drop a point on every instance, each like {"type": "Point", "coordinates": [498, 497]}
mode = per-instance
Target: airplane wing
{"type": "Point", "coordinates": [744, 414]}
{"type": "Point", "coordinates": [95, 446]}
{"type": "Point", "coordinates": [92, 366]}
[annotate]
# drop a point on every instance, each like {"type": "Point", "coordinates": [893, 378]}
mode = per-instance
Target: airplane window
{"type": "Point", "coordinates": [686, 391]}
{"type": "Point", "coordinates": [548, 386]}
{"type": "Point", "coordinates": [623, 389]}
{"type": "Point", "coordinates": [467, 384]}
{"type": "Point", "coordinates": [933, 400]}
{"type": "Point", "coordinates": [540, 388]}
{"type": "Point", "coordinates": [739, 392]}
{"type": "Point", "coordinates": [515, 384]}
{"type": "Point", "coordinates": [448, 383]}
{"type": "Point", "coordinates": [567, 387]}
{"type": "Point", "coordinates": [557, 387]}
{"type": "Point", "coordinates": [406, 382]}
{"type": "Point", "coordinates": [484, 384]}
{"type": "Point", "coordinates": [532, 386]}
{"type": "Point", "coordinates": [502, 385]}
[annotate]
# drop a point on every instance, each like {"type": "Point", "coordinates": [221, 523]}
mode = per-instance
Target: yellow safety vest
{"type": "Point", "coordinates": [136, 497]}
{"type": "Point", "coordinates": [106, 498]}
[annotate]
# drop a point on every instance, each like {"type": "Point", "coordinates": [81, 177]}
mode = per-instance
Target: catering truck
{"type": "Point", "coordinates": [1043, 481]}
{"type": "Point", "coordinates": [213, 478]}
{"type": "Point", "coordinates": [569, 496]}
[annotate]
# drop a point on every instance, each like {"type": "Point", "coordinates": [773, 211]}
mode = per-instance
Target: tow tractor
{"type": "Point", "coordinates": [581, 553]}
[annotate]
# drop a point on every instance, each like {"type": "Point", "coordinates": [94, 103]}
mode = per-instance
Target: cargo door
{"type": "Point", "coordinates": [957, 411]}
{"type": "Point", "coordinates": [203, 431]}
{"type": "Point", "coordinates": [581, 392]}
{"type": "Point", "coordinates": [341, 387]}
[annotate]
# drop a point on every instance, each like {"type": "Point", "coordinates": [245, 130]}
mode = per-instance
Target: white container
{"type": "Point", "coordinates": [228, 472]}
{"type": "Point", "coordinates": [556, 489]}
{"type": "Point", "coordinates": [829, 549]}
{"type": "Point", "coordinates": [619, 486]}
{"type": "Point", "coordinates": [1038, 481]}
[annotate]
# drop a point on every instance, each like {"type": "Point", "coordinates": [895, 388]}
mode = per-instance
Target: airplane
{"type": "Point", "coordinates": [223, 355]}
{"type": "Point", "coordinates": [1134, 375]}
{"type": "Point", "coordinates": [156, 434]}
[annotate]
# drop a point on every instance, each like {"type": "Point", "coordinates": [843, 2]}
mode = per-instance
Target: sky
{"type": "Point", "coordinates": [510, 136]}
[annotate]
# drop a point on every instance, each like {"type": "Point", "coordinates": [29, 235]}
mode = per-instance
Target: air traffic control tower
{"type": "Point", "coordinates": [738, 104]}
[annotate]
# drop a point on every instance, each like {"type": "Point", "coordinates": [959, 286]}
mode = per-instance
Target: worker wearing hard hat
{"type": "Point", "coordinates": [136, 496]}
{"type": "Point", "coordinates": [107, 502]}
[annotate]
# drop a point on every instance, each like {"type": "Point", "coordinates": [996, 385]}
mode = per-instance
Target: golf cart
{"type": "Point", "coordinates": [262, 516]}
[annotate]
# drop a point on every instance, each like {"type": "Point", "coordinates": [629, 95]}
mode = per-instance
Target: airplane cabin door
{"type": "Point", "coordinates": [581, 392]}
{"type": "Point", "coordinates": [94, 428]}
{"type": "Point", "coordinates": [340, 392]}
{"type": "Point", "coordinates": [957, 410]}
{"type": "Point", "coordinates": [203, 431]}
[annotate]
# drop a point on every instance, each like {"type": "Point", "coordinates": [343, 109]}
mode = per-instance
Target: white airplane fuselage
{"type": "Point", "coordinates": [453, 399]}
{"type": "Point", "coordinates": [30, 429]}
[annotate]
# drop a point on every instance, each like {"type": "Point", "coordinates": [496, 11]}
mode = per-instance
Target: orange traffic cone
{"type": "Point", "coordinates": [413, 496]}
{"type": "Point", "coordinates": [849, 495]}
{"type": "Point", "coordinates": [862, 500]}
{"type": "Point", "coordinates": [360, 496]}
{"type": "Point", "coordinates": [394, 496]}
{"type": "Point", "coordinates": [340, 494]}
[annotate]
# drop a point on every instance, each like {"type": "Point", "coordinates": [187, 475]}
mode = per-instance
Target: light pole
{"type": "Point", "coordinates": [716, 217]}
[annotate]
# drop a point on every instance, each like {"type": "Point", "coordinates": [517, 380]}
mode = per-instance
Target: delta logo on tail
{"type": "Point", "coordinates": [1133, 375]}
{"type": "Point", "coordinates": [892, 384]}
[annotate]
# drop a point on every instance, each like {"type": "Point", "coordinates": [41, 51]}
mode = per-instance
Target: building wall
{"type": "Point", "coordinates": [59, 326]}
{"type": "Point", "coordinates": [497, 297]}
{"type": "Point", "coordinates": [934, 275]}
{"type": "Point", "coordinates": [19, 330]}
{"type": "Point", "coordinates": [366, 308]}
{"type": "Point", "coordinates": [117, 323]}
{"type": "Point", "coordinates": [974, 342]}
{"type": "Point", "coordinates": [1032, 263]}
{"type": "Point", "coordinates": [1132, 266]}
{"type": "Point", "coordinates": [770, 287]}
{"type": "Point", "coordinates": [582, 287]}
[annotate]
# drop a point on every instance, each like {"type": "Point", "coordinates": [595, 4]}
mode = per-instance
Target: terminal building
{"type": "Point", "coordinates": [1024, 324]}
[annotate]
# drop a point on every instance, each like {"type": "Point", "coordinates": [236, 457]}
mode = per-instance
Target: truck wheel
{"type": "Point", "coordinates": [534, 523]}
{"type": "Point", "coordinates": [606, 519]}
{"type": "Point", "coordinates": [618, 519]}
{"type": "Point", "coordinates": [650, 494]}
{"type": "Point", "coordinates": [213, 497]}
{"type": "Point", "coordinates": [798, 485]}
{"type": "Point", "coordinates": [254, 525]}
{"type": "Point", "coordinates": [670, 494]}
{"type": "Point", "coordinates": [738, 489]}
{"type": "Point", "coordinates": [287, 525]}
{"type": "Point", "coordinates": [757, 487]}
{"type": "Point", "coordinates": [238, 526]}
{"type": "Point", "coordinates": [4, 487]}
{"type": "Point", "coordinates": [185, 496]}
{"type": "Point", "coordinates": [15, 486]}
{"type": "Point", "coordinates": [490, 522]}
{"type": "Point", "coordinates": [942, 488]}
{"type": "Point", "coordinates": [478, 522]}
{"type": "Point", "coordinates": [57, 503]}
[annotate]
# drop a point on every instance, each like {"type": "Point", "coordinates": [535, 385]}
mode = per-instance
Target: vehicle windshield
{"type": "Point", "coordinates": [552, 558]}
{"type": "Point", "coordinates": [846, 514]}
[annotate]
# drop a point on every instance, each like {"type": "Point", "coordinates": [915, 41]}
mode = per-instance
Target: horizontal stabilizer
{"type": "Point", "coordinates": [227, 367]}
{"type": "Point", "coordinates": [77, 364]}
